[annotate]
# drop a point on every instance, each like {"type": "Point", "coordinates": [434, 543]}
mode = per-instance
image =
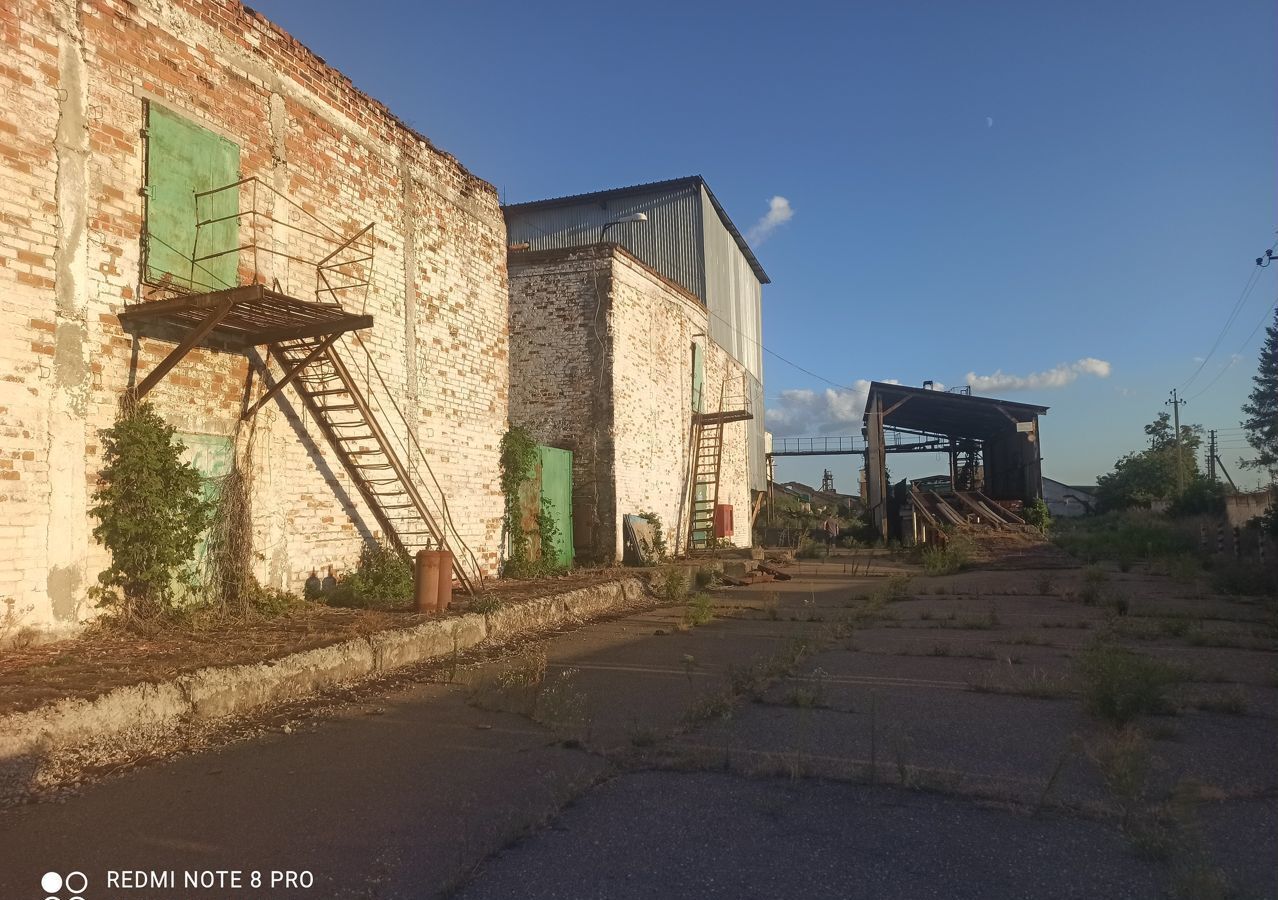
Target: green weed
{"type": "Point", "coordinates": [700, 610]}
{"type": "Point", "coordinates": [1119, 685]}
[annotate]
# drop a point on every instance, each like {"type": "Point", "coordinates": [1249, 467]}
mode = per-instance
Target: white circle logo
{"type": "Point", "coordinates": [51, 883]}
{"type": "Point", "coordinates": [84, 882]}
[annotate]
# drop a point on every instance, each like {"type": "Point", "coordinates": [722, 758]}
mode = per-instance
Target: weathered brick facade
{"type": "Point", "coordinates": [74, 77]}
{"type": "Point", "coordinates": [601, 363]}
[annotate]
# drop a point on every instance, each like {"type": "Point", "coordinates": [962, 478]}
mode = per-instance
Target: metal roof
{"type": "Point", "coordinates": [650, 187]}
{"type": "Point", "coordinates": [942, 412]}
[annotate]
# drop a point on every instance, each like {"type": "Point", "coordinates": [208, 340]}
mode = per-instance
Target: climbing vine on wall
{"type": "Point", "coordinates": [518, 463]}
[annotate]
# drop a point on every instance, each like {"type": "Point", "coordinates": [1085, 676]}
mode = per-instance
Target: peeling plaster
{"type": "Point", "coordinates": [64, 592]}
{"type": "Point", "coordinates": [67, 540]}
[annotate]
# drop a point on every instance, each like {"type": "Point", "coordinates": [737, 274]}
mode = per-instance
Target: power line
{"type": "Point", "coordinates": [759, 344]}
{"type": "Point", "coordinates": [1234, 358]}
{"type": "Point", "coordinates": [1252, 280]}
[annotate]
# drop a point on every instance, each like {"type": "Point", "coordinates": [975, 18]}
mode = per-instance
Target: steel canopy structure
{"type": "Point", "coordinates": [993, 444]}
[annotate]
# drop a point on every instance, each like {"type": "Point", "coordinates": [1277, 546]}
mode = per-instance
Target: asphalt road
{"type": "Point", "coordinates": [647, 764]}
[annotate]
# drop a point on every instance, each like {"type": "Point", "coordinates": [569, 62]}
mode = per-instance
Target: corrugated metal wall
{"type": "Point", "coordinates": [734, 301]}
{"type": "Point", "coordinates": [670, 241]}
{"type": "Point", "coordinates": [733, 293]}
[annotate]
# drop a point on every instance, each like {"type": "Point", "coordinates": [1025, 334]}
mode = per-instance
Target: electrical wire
{"type": "Point", "coordinates": [1252, 280]}
{"type": "Point", "coordinates": [759, 344]}
{"type": "Point", "coordinates": [1236, 354]}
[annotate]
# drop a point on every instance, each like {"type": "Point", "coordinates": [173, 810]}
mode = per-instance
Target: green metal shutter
{"type": "Point", "coordinates": [181, 159]}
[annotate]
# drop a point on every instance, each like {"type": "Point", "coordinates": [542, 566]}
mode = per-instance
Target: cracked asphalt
{"type": "Point", "coordinates": [836, 735]}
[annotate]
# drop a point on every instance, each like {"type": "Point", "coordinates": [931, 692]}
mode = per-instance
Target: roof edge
{"type": "Point", "coordinates": [963, 398]}
{"type": "Point", "coordinates": [648, 187]}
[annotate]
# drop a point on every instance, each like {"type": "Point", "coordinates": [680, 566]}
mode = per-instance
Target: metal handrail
{"type": "Point", "coordinates": [437, 496]}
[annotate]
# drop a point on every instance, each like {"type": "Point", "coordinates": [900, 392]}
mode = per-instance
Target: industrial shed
{"type": "Point", "coordinates": [994, 449]}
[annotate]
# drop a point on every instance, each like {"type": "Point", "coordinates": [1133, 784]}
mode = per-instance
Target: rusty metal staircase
{"type": "Point", "coordinates": [394, 487]}
{"type": "Point", "coordinates": [192, 305]}
{"type": "Point", "coordinates": [707, 464]}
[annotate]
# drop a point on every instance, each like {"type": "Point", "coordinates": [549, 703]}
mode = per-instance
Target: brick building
{"type": "Point", "coordinates": [116, 116]}
{"type": "Point", "coordinates": [667, 324]}
{"type": "Point", "coordinates": [611, 360]}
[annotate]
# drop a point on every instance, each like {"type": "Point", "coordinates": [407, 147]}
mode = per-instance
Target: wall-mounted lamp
{"type": "Point", "coordinates": [633, 217]}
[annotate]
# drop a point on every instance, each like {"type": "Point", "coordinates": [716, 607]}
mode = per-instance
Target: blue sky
{"type": "Point", "coordinates": [986, 188]}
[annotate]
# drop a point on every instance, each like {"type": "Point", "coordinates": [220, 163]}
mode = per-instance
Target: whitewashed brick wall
{"type": "Point", "coordinates": [601, 364]}
{"type": "Point", "coordinates": [74, 75]}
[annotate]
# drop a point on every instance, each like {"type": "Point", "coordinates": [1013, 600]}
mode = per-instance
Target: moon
{"type": "Point", "coordinates": [989, 121]}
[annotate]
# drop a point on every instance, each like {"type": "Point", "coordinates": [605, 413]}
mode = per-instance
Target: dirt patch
{"type": "Point", "coordinates": [1017, 551]}
{"type": "Point", "coordinates": [103, 658]}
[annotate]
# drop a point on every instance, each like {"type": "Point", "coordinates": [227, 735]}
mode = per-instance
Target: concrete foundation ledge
{"type": "Point", "coordinates": [70, 722]}
{"type": "Point", "coordinates": [28, 738]}
{"type": "Point", "coordinates": [216, 692]}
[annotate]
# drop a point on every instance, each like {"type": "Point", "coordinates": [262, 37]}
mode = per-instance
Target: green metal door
{"type": "Point", "coordinates": [181, 159]}
{"type": "Point", "coordinates": [556, 497]}
{"type": "Point", "coordinates": [213, 456]}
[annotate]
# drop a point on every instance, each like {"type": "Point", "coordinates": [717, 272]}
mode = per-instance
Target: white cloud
{"type": "Point", "coordinates": [779, 212]}
{"type": "Point", "coordinates": [1057, 377]}
{"type": "Point", "coordinates": [831, 411]}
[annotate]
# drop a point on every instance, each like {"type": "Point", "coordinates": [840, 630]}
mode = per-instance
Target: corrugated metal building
{"type": "Point", "coordinates": [689, 239]}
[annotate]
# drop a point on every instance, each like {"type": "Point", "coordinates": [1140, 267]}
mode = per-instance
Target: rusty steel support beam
{"type": "Point", "coordinates": [895, 406]}
{"type": "Point", "coordinates": [289, 376]}
{"type": "Point", "coordinates": [196, 334]}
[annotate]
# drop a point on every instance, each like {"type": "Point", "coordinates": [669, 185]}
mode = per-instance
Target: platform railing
{"type": "Point", "coordinates": [282, 243]}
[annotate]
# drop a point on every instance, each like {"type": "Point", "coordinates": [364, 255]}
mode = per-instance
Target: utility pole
{"type": "Point", "coordinates": [1211, 455]}
{"type": "Point", "coordinates": [1175, 403]}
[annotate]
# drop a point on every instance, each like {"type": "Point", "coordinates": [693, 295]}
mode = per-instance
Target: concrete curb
{"type": "Point", "coordinates": [28, 738]}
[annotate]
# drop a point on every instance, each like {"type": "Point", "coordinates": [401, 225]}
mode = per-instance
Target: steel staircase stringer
{"type": "Point", "coordinates": [312, 387]}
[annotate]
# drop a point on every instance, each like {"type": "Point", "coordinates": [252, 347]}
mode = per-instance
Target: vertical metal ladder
{"type": "Point", "coordinates": [386, 483]}
{"type": "Point", "coordinates": [707, 460]}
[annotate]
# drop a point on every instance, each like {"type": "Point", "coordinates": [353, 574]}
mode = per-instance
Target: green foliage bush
{"type": "Point", "coordinates": [810, 549]}
{"type": "Point", "coordinates": [1094, 579]}
{"type": "Point", "coordinates": [272, 602]}
{"type": "Point", "coordinates": [1243, 578]}
{"type": "Point", "coordinates": [1038, 515]}
{"type": "Point", "coordinates": [1201, 496]}
{"type": "Point", "coordinates": [672, 583]}
{"type": "Point", "coordinates": [150, 511]}
{"type": "Point", "coordinates": [955, 556]}
{"type": "Point", "coordinates": [1118, 684]}
{"type": "Point", "coordinates": [383, 580]}
{"type": "Point", "coordinates": [1124, 535]}
{"type": "Point", "coordinates": [659, 548]}
{"type": "Point", "coordinates": [700, 610]}
{"type": "Point", "coordinates": [1154, 473]}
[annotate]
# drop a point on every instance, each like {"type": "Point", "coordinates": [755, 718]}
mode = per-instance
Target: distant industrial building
{"type": "Point", "coordinates": [994, 450]}
{"type": "Point", "coordinates": [635, 325]}
{"type": "Point", "coordinates": [1066, 501]}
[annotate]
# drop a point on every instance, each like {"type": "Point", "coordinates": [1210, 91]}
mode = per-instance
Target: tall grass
{"type": "Point", "coordinates": [955, 556]}
{"type": "Point", "coordinates": [1125, 536]}
{"type": "Point", "coordinates": [1119, 685]}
